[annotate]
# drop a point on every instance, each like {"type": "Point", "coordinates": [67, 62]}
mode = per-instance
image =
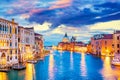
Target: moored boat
{"type": "Point", "coordinates": [116, 60]}
{"type": "Point", "coordinates": [19, 67]}
{"type": "Point", "coordinates": [4, 68]}
{"type": "Point", "coordinates": [32, 61]}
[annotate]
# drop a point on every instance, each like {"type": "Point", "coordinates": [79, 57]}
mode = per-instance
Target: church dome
{"type": "Point", "coordinates": [65, 38]}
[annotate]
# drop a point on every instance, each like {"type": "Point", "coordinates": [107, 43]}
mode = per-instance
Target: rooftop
{"type": "Point", "coordinates": [103, 36]}
{"type": "Point", "coordinates": [117, 32]}
{"type": "Point", "coordinates": [12, 21]}
{"type": "Point", "coordinates": [37, 34]}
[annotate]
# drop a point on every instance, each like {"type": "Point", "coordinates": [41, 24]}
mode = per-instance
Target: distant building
{"type": "Point", "coordinates": [102, 44]}
{"type": "Point", "coordinates": [26, 42]}
{"type": "Point", "coordinates": [71, 45]}
{"type": "Point", "coordinates": [116, 41]}
{"type": "Point", "coordinates": [65, 38]}
{"type": "Point", "coordinates": [8, 42]}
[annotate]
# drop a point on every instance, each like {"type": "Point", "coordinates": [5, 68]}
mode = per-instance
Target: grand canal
{"type": "Point", "coordinates": [67, 66]}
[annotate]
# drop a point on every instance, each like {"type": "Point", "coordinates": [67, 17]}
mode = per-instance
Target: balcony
{"type": "Point", "coordinates": [4, 47]}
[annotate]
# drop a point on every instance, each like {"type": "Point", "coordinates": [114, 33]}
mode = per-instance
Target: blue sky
{"type": "Point", "coordinates": [53, 18]}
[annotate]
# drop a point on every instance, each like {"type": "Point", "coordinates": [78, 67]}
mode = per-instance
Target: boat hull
{"type": "Point", "coordinates": [32, 61]}
{"type": "Point", "coordinates": [116, 64]}
{"type": "Point", "coordinates": [4, 70]}
{"type": "Point", "coordinates": [19, 67]}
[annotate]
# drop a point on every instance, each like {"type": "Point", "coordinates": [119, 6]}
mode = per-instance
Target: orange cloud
{"type": "Point", "coordinates": [32, 11]}
{"type": "Point", "coordinates": [61, 4]}
{"type": "Point", "coordinates": [24, 16]}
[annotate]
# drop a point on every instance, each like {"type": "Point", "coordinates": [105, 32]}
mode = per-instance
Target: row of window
{"type": "Point", "coordinates": [4, 35]}
{"type": "Point", "coordinates": [6, 44]}
{"type": "Point", "coordinates": [10, 58]}
{"type": "Point", "coordinates": [6, 29]}
{"type": "Point", "coordinates": [25, 32]}
{"type": "Point", "coordinates": [11, 51]}
{"type": "Point", "coordinates": [11, 44]}
{"type": "Point", "coordinates": [97, 43]}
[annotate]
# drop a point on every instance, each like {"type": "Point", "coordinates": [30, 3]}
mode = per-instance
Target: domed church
{"type": "Point", "coordinates": [65, 38]}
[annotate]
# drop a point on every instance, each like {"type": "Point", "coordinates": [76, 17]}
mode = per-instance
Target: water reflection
{"type": "Point", "coordinates": [67, 66]}
{"type": "Point", "coordinates": [60, 52]}
{"type": "Point", "coordinates": [107, 70]}
{"type": "Point", "coordinates": [71, 60]}
{"type": "Point", "coordinates": [51, 67]}
{"type": "Point", "coordinates": [83, 65]}
{"type": "Point", "coordinates": [3, 76]}
{"type": "Point", "coordinates": [30, 72]}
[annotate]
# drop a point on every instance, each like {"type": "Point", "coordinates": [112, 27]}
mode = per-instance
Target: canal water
{"type": "Point", "coordinates": [67, 66]}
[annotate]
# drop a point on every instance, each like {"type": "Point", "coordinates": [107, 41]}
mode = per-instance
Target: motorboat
{"type": "Point", "coordinates": [4, 68]}
{"type": "Point", "coordinates": [116, 60]}
{"type": "Point", "coordinates": [19, 67]}
{"type": "Point", "coordinates": [32, 61]}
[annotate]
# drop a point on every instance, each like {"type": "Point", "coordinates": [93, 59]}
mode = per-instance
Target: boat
{"type": "Point", "coordinates": [116, 60]}
{"type": "Point", "coordinates": [32, 61]}
{"type": "Point", "coordinates": [42, 58]}
{"type": "Point", "coordinates": [4, 68]}
{"type": "Point", "coordinates": [18, 67]}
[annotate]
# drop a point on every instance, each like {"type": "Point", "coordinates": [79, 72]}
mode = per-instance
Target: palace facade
{"type": "Point", "coordinates": [26, 42]}
{"type": "Point", "coordinates": [18, 43]}
{"type": "Point", "coordinates": [39, 47]}
{"type": "Point", "coordinates": [102, 44]}
{"type": "Point", "coordinates": [116, 41]}
{"type": "Point", "coordinates": [8, 42]}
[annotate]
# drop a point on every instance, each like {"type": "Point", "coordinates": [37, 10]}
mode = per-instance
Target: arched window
{"type": "Point", "coordinates": [10, 29]}
{"type": "Point", "coordinates": [3, 55]}
{"type": "Point", "coordinates": [7, 58]}
{"type": "Point", "coordinates": [3, 28]}
{"type": "Point", "coordinates": [0, 27]}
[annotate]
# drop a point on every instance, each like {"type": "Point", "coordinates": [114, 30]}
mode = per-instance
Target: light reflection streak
{"type": "Point", "coordinates": [60, 51]}
{"type": "Point", "coordinates": [107, 71]}
{"type": "Point", "coordinates": [51, 67]}
{"type": "Point", "coordinates": [83, 65]}
{"type": "Point", "coordinates": [71, 60]}
{"type": "Point", "coordinates": [3, 76]}
{"type": "Point", "coordinates": [30, 72]}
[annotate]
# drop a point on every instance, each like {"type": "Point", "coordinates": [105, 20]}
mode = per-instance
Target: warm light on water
{"type": "Point", "coordinates": [83, 65]}
{"type": "Point", "coordinates": [107, 71]}
{"type": "Point", "coordinates": [51, 67]}
{"type": "Point", "coordinates": [3, 76]}
{"type": "Point", "coordinates": [71, 60]}
{"type": "Point", "coordinates": [67, 66]}
{"type": "Point", "coordinates": [30, 72]}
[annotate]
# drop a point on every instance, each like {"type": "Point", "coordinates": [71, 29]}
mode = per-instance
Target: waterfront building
{"type": "Point", "coordinates": [39, 47]}
{"type": "Point", "coordinates": [116, 41]}
{"type": "Point", "coordinates": [102, 44]}
{"type": "Point", "coordinates": [89, 48]}
{"type": "Point", "coordinates": [8, 42]}
{"type": "Point", "coordinates": [80, 47]}
{"type": "Point", "coordinates": [26, 42]}
{"type": "Point", "coordinates": [71, 45]}
{"type": "Point", "coordinates": [63, 46]}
